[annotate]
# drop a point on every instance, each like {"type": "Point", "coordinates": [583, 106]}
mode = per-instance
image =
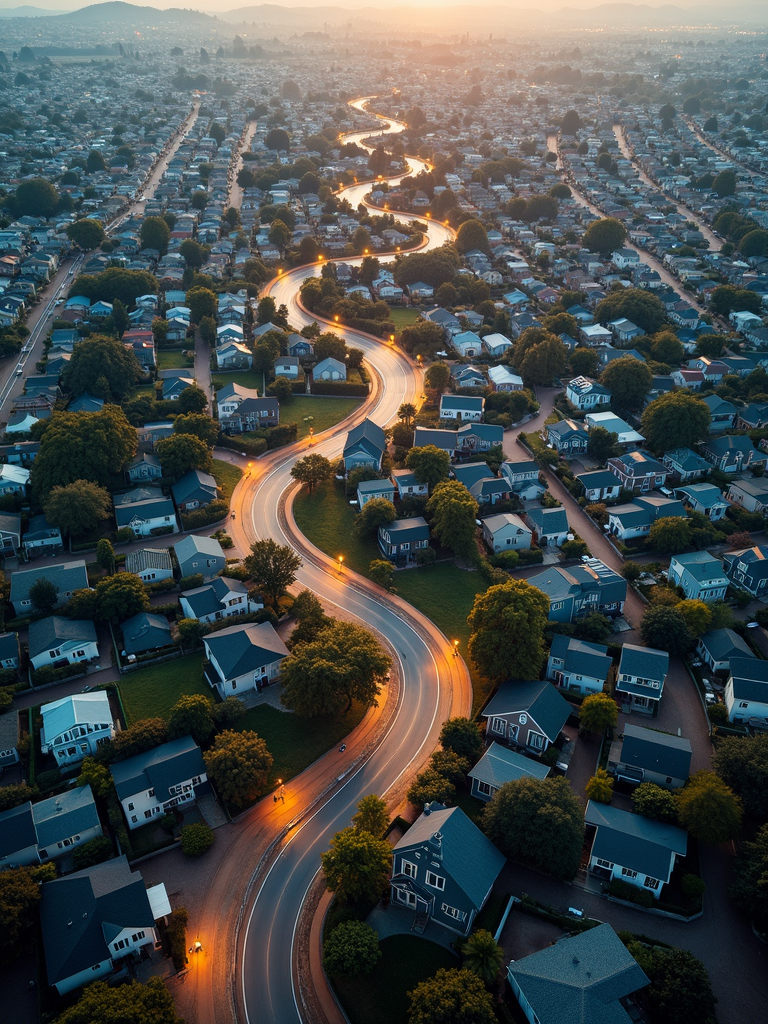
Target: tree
{"type": "Point", "coordinates": [537, 821]}
{"type": "Point", "coordinates": [194, 254]}
{"type": "Point", "coordinates": [87, 233]}
{"type": "Point", "coordinates": [207, 328]}
{"type": "Point", "coordinates": [374, 513]}
{"type": "Point", "coordinates": [78, 507]}
{"type": "Point", "coordinates": [356, 866]}
{"type": "Point", "coordinates": [201, 302]}
{"type": "Point", "coordinates": [742, 764]}
{"type": "Point", "coordinates": [603, 236]}
{"type": "Point", "coordinates": [44, 595]}
{"type": "Point", "coordinates": [430, 465]}
{"type": "Point", "coordinates": [239, 764]}
{"type": "Point", "coordinates": [654, 801]}
{"type": "Point", "coordinates": [545, 362]}
{"type": "Point", "coordinates": [599, 712]}
{"type": "Point", "coordinates": [196, 838]}
{"type": "Point", "coordinates": [155, 234]}
{"type": "Point", "coordinates": [406, 412]}
{"type": "Point", "coordinates": [561, 323]}
{"type": "Point", "coordinates": [197, 424]}
{"type": "Point", "coordinates": [382, 572]}
{"type": "Point", "coordinates": [282, 389]}
{"type": "Point", "coordinates": [272, 567]}
{"type": "Point", "coordinates": [310, 617]}
{"type": "Point", "coordinates": [448, 764]}
{"type": "Point", "coordinates": [666, 347]}
{"type": "Point", "coordinates": [697, 616]}
{"type": "Point", "coordinates": [676, 419]}
{"type": "Point", "coordinates": [451, 997]}
{"type": "Point", "coordinates": [726, 298]}
{"type": "Point", "coordinates": [472, 235]}
{"type": "Point", "coordinates": [639, 305]}
{"type": "Point", "coordinates": [312, 470]}
{"type": "Point", "coordinates": [100, 1003]}
{"type": "Point", "coordinates": [345, 663]}
{"type": "Point", "coordinates": [665, 629]}
{"type": "Point", "coordinates": [136, 739]}
{"type": "Point", "coordinates": [330, 345]}
{"type": "Point", "coordinates": [372, 816]}
{"type": "Point", "coordinates": [105, 555]}
{"type": "Point", "coordinates": [424, 338]}
{"type": "Point", "coordinates": [585, 362]}
{"type": "Point", "coordinates": [120, 597]}
{"type": "Point", "coordinates": [749, 889]}
{"type": "Point", "coordinates": [192, 400]}
{"type": "Point", "coordinates": [351, 949]}
{"type": "Point", "coordinates": [725, 183]}
{"type": "Point", "coordinates": [19, 899]}
{"type": "Point", "coordinates": [95, 851]}
{"type": "Point", "coordinates": [571, 122]}
{"type": "Point", "coordinates": [507, 631]}
{"type": "Point", "coordinates": [453, 512]}
{"type": "Point", "coordinates": [629, 380]}
{"type": "Point", "coordinates": [15, 794]}
{"type": "Point", "coordinates": [670, 535]}
{"type": "Point", "coordinates": [101, 357]}
{"type": "Point", "coordinates": [462, 737]}
{"type": "Point", "coordinates": [191, 633]}
{"type": "Point", "coordinates": [36, 197]}
{"type": "Point", "coordinates": [97, 776]}
{"type": "Point", "coordinates": [437, 377]}
{"type": "Point", "coordinates": [602, 445]}
{"type": "Point", "coordinates": [600, 787]}
{"type": "Point", "coordinates": [679, 989]}
{"type": "Point", "coordinates": [483, 956]}
{"type": "Point", "coordinates": [191, 716]}
{"type": "Point", "coordinates": [278, 140]}
{"type": "Point", "coordinates": [709, 809]}
{"type": "Point", "coordinates": [181, 452]}
{"type": "Point", "coordinates": [429, 787]}
{"type": "Point", "coordinates": [754, 243]}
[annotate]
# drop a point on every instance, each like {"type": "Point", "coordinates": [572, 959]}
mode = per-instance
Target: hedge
{"type": "Point", "coordinates": [207, 516]}
{"type": "Point", "coordinates": [339, 387]}
{"type": "Point", "coordinates": [191, 582]}
{"type": "Point", "coordinates": [254, 446]}
{"type": "Point", "coordinates": [49, 674]}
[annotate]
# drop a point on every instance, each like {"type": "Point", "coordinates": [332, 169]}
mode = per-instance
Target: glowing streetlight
{"type": "Point", "coordinates": [455, 648]}
{"type": "Point", "coordinates": [341, 562]}
{"type": "Point", "coordinates": [391, 339]}
{"type": "Point", "coordinates": [336, 318]}
{"type": "Point", "coordinates": [279, 270]}
{"type": "Point", "coordinates": [250, 467]}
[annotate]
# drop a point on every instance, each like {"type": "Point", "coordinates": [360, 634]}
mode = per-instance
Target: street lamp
{"type": "Point", "coordinates": [391, 339]}
{"type": "Point", "coordinates": [455, 648]}
{"type": "Point", "coordinates": [341, 560]}
{"type": "Point", "coordinates": [250, 467]}
{"type": "Point", "coordinates": [336, 318]}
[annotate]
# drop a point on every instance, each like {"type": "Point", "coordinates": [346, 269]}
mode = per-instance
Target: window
{"type": "Point", "coordinates": [121, 944]}
{"type": "Point", "coordinates": [436, 881]}
{"type": "Point", "coordinates": [130, 807]}
{"type": "Point", "coordinates": [651, 883]}
{"type": "Point", "coordinates": [79, 654]}
{"type": "Point", "coordinates": [147, 814]}
{"type": "Point", "coordinates": [605, 864]}
{"type": "Point", "coordinates": [535, 740]}
{"type": "Point", "coordinates": [484, 788]}
{"type": "Point", "coordinates": [628, 873]}
{"type": "Point", "coordinates": [457, 915]}
{"type": "Point", "coordinates": [408, 868]}
{"type": "Point", "coordinates": [96, 967]}
{"type": "Point", "coordinates": [53, 654]}
{"type": "Point", "coordinates": [744, 704]}
{"type": "Point", "coordinates": [134, 819]}
{"type": "Point", "coordinates": [137, 936]}
{"type": "Point", "coordinates": [150, 792]}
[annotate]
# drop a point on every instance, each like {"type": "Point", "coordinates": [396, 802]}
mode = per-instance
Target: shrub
{"type": "Point", "coordinates": [533, 556]}
{"type": "Point", "coordinates": [191, 582]}
{"type": "Point", "coordinates": [574, 549]}
{"type": "Point", "coordinates": [93, 852]}
{"type": "Point", "coordinates": [201, 517]}
{"type": "Point", "coordinates": [125, 535]}
{"type": "Point", "coordinates": [692, 886]}
{"type": "Point", "coordinates": [176, 937]}
{"type": "Point", "coordinates": [168, 822]}
{"type": "Point", "coordinates": [196, 838]}
{"type": "Point", "coordinates": [717, 714]}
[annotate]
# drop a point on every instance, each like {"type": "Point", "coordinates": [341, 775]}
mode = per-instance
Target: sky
{"type": "Point", "coordinates": [215, 6]}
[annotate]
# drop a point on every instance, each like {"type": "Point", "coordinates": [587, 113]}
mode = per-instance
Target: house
{"type": "Point", "coordinates": [748, 569]}
{"type": "Point", "coordinates": [9, 650]}
{"type": "Point", "coordinates": [461, 407]}
{"type": "Point", "coordinates": [496, 345]}
{"type": "Point", "coordinates": [145, 632]}
{"type": "Point", "coordinates": [445, 440]}
{"type": "Point", "coordinates": [700, 574]}
{"type": "Point", "coordinates": [549, 525]}
{"type": "Point", "coordinates": [407, 485]}
{"type": "Point", "coordinates": [175, 384]}
{"type": "Point", "coordinates": [526, 714]}
{"type": "Point", "coordinates": [299, 346]}
{"type": "Point", "coordinates": [444, 869]}
{"type": "Point", "coordinates": [148, 435]}
{"type": "Point", "coordinates": [233, 355]}
{"type": "Point", "coordinates": [244, 657]}
{"type": "Point", "coordinates": [581, 589]}
{"type": "Point", "coordinates": [9, 740]}
{"type": "Point", "coordinates": [468, 376]}
{"type": "Point", "coordinates": [10, 533]}
{"type": "Point", "coordinates": [704, 498]}
{"type": "Point", "coordinates": [467, 344]}
{"type": "Point", "coordinates": [746, 692]}
{"type": "Point", "coordinates": [630, 848]}
{"type": "Point", "coordinates": [588, 977]}
{"type": "Point", "coordinates": [499, 765]}
{"type": "Point", "coordinates": [145, 510]}
{"type": "Point", "coordinates": [143, 467]}
{"type": "Point", "coordinates": [151, 565]}
{"type": "Point", "coordinates": [640, 678]}
{"type": "Point", "coordinates": [75, 727]}
{"type": "Point", "coordinates": [252, 414]}
{"type": "Point", "coordinates": [365, 446]}
{"type": "Point", "coordinates": [153, 783]}
{"type": "Point", "coordinates": [753, 416]}
{"type": "Point", "coordinates": [402, 538]}
{"type": "Point", "coordinates": [57, 641]}
{"type": "Point", "coordinates": [718, 646]}
{"type": "Point", "coordinates": [636, 518]}
{"type": "Point", "coordinates": [647, 755]}
{"type": "Point", "coordinates": [751, 495]}
{"type": "Point", "coordinates": [568, 438]}
{"type": "Point", "coordinates": [49, 829]}
{"type": "Point", "coordinates": [722, 413]}
{"type": "Point", "coordinates": [626, 435]}
{"type": "Point", "coordinates": [22, 454]}
{"type": "Point", "coordinates": [202, 555]}
{"type": "Point", "coordinates": [732, 453]}
{"type": "Point", "coordinates": [288, 367]}
{"type": "Point", "coordinates": [586, 394]}
{"type": "Point", "coordinates": [595, 334]}
{"type": "Point", "coordinates": [685, 464]}
{"type": "Point", "coordinates": [195, 489]}
{"type": "Point", "coordinates": [369, 489]}
{"type": "Point", "coordinates": [638, 471]}
{"type": "Point", "coordinates": [68, 577]}
{"type": "Point", "coordinates": [578, 665]}
{"type": "Point", "coordinates": [506, 532]}
{"type": "Point", "coordinates": [329, 369]}
{"type": "Point", "coordinates": [523, 479]}
{"type": "Point", "coordinates": [230, 397]}
{"type": "Point", "coordinates": [599, 485]}
{"type": "Point", "coordinates": [502, 379]}
{"type": "Point", "coordinates": [13, 479]}
{"type": "Point", "coordinates": [220, 599]}
{"type": "Point", "coordinates": [624, 330]}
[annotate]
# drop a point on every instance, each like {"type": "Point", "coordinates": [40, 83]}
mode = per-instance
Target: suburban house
{"type": "Point", "coordinates": [748, 569]}
{"type": "Point", "coordinates": [220, 599]}
{"type": "Point", "coordinates": [638, 471]}
{"type": "Point", "coordinates": [496, 345]}
{"type": "Point", "coordinates": [402, 538]}
{"type": "Point", "coordinates": [636, 518]}
{"type": "Point", "coordinates": [599, 485]}
{"type": "Point", "coordinates": [718, 646]}
{"type": "Point", "coordinates": [506, 532]}
{"type": "Point", "coordinates": [478, 437]}
{"type": "Point", "coordinates": [145, 632]}
{"type": "Point", "coordinates": [529, 715]}
{"type": "Point", "coordinates": [365, 446]}
{"type": "Point", "coordinates": [481, 483]}
{"type": "Point", "coordinates": [144, 510]}
{"type": "Point", "coordinates": [499, 765]}
{"type": "Point", "coordinates": [68, 577]}
{"type": "Point", "coordinates": [91, 920]}
{"type": "Point", "coordinates": [590, 977]}
{"type": "Point", "coordinates": [252, 414]}
{"type": "Point", "coordinates": [195, 489]}
{"type": "Point", "coordinates": [444, 869]}
{"type": "Point", "coordinates": [549, 525]}
{"type": "Point", "coordinates": [287, 366]}
{"type": "Point", "coordinates": [329, 369]}
{"type": "Point", "coordinates": [153, 783]}
{"type": "Point", "coordinates": [751, 495]}
{"type": "Point", "coordinates": [231, 396]}
{"type": "Point", "coordinates": [568, 438]}
{"type": "Point", "coordinates": [41, 538]}
{"type": "Point", "coordinates": [203, 555]}
{"type": "Point", "coordinates": [646, 755]}
{"type": "Point", "coordinates": [586, 394]}
{"type": "Point", "coordinates": [13, 479]}
{"type": "Point", "coordinates": [685, 465]}
{"type": "Point", "coordinates": [630, 848]}
{"type": "Point", "coordinates": [299, 346]}
{"type": "Point", "coordinates": [57, 641]}
{"type": "Point", "coordinates": [10, 533]}
{"type": "Point", "coordinates": [143, 467]}
{"type": "Point", "coordinates": [581, 589]}
{"type": "Point", "coordinates": [502, 378]}
{"type": "Point", "coordinates": [578, 665]}
{"type": "Point", "coordinates": [407, 485]}
{"type": "Point", "coordinates": [461, 407]}
{"type": "Point", "coordinates": [445, 440]}
{"type": "Point", "coordinates": [732, 453]}
{"type": "Point", "coordinates": [722, 413]}
{"type": "Point", "coordinates": [49, 829]}
{"type": "Point", "coordinates": [523, 478]}
{"type": "Point", "coordinates": [233, 355]}
{"type": "Point", "coordinates": [369, 489]}
{"type": "Point", "coordinates": [626, 436]}
{"type": "Point", "coordinates": [9, 650]}
{"type": "Point", "coordinates": [151, 565]}
{"type": "Point", "coordinates": [746, 692]}
{"type": "Point", "coordinates": [75, 727]}
{"type": "Point", "coordinates": [243, 657]}
{"type": "Point", "coordinates": [705, 498]}
{"type": "Point", "coordinates": [700, 574]}
{"type": "Point", "coordinates": [640, 678]}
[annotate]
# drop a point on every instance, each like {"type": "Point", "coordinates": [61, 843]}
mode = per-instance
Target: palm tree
{"type": "Point", "coordinates": [406, 412]}
{"type": "Point", "coordinates": [483, 956]}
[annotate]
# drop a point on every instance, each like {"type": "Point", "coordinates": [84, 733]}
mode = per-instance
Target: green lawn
{"type": "Point", "coordinates": [325, 412]}
{"type": "Point", "coordinates": [327, 519]}
{"type": "Point", "coordinates": [152, 692]}
{"type": "Point", "coordinates": [381, 997]}
{"type": "Point", "coordinates": [403, 316]}
{"type": "Point", "coordinates": [226, 476]}
{"type": "Point", "coordinates": [172, 360]}
{"type": "Point", "coordinates": [294, 742]}
{"type": "Point", "coordinates": [245, 378]}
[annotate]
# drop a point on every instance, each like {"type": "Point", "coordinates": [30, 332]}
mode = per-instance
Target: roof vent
{"type": "Point", "coordinates": [427, 809]}
{"type": "Point", "coordinates": [575, 960]}
{"type": "Point", "coordinates": [85, 916]}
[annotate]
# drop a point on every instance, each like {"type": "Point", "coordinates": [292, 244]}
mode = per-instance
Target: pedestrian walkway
{"type": "Point", "coordinates": [270, 696]}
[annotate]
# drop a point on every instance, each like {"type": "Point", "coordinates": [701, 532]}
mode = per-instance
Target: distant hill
{"type": "Point", "coordinates": [119, 13]}
{"type": "Point", "coordinates": [27, 12]}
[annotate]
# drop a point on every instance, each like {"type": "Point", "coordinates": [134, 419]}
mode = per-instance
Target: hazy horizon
{"type": "Point", "coordinates": [219, 6]}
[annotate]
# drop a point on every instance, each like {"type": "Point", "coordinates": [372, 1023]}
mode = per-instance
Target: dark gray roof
{"type": "Point", "coordinates": [634, 842]}
{"type": "Point", "coordinates": [401, 530]}
{"type": "Point", "coordinates": [656, 751]}
{"type": "Point", "coordinates": [17, 830]}
{"type": "Point", "coordinates": [68, 577]}
{"type": "Point", "coordinates": [580, 979]}
{"type": "Point", "coordinates": [10, 522]}
{"type": "Point", "coordinates": [499, 765]}
{"type": "Point", "coordinates": [9, 646]}
{"type": "Point", "coordinates": [750, 679]}
{"type": "Point", "coordinates": [471, 860]}
{"type": "Point", "coordinates": [64, 815]}
{"type": "Point", "coordinates": [470, 472]}
{"type": "Point", "coordinates": [598, 478]}
{"type": "Point", "coordinates": [153, 508]}
{"type": "Point", "coordinates": [446, 440]}
{"type": "Point", "coordinates": [539, 698]}
{"type": "Point", "coordinates": [148, 558]}
{"type": "Point", "coordinates": [581, 656]}
{"type": "Point", "coordinates": [145, 632]}
{"type": "Point", "coordinates": [45, 634]}
{"type": "Point", "coordinates": [192, 545]}
{"type": "Point", "coordinates": [208, 599]}
{"type": "Point", "coordinates": [547, 521]}
{"type": "Point", "coordinates": [724, 644]}
{"type": "Point", "coordinates": [646, 662]}
{"type": "Point", "coordinates": [369, 435]}
{"type": "Point", "coordinates": [159, 768]}
{"type": "Point", "coordinates": [192, 483]}
{"type": "Point", "coordinates": [245, 648]}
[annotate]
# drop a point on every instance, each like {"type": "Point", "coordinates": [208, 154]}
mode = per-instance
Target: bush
{"type": "Point", "coordinates": [49, 779]}
{"type": "Point", "coordinates": [168, 823]}
{"type": "Point", "coordinates": [505, 560]}
{"type": "Point", "coordinates": [692, 886]}
{"type": "Point", "coordinates": [176, 937]}
{"type": "Point", "coordinates": [574, 549]}
{"type": "Point", "coordinates": [48, 674]}
{"type": "Point", "coordinates": [201, 517]}
{"type": "Point", "coordinates": [125, 535]}
{"type": "Point", "coordinates": [191, 582]}
{"type": "Point", "coordinates": [93, 852]}
{"type": "Point", "coordinates": [717, 714]}
{"type": "Point", "coordinates": [254, 446]}
{"type": "Point", "coordinates": [196, 838]}
{"type": "Point", "coordinates": [533, 556]}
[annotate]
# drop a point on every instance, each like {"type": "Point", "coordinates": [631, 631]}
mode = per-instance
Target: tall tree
{"type": "Point", "coordinates": [603, 236]}
{"type": "Point", "coordinates": [544, 362]}
{"type": "Point", "coordinates": [742, 763]}
{"type": "Point", "coordinates": [709, 809]}
{"type": "Point", "coordinates": [105, 555]}
{"type": "Point", "coordinates": [239, 764]}
{"type": "Point", "coordinates": [670, 535]}
{"type": "Point", "coordinates": [134, 1003]}
{"type": "Point", "coordinates": [87, 233]}
{"type": "Point", "coordinates": [120, 597]}
{"type": "Point", "coordinates": [351, 949]}
{"type": "Point", "coordinates": [599, 712]}
{"type": "Point", "coordinates": [602, 445]}
{"type": "Point", "coordinates": [430, 465]}
{"type": "Point", "coordinates": [201, 302]}
{"type": "Point", "coordinates": [677, 419]}
{"type": "Point", "coordinates": [629, 381]}
{"type": "Point", "coordinates": [639, 305]}
{"type": "Point", "coordinates": [507, 626]}
{"type": "Point", "coordinates": [483, 956]}
{"type": "Point", "coordinates": [451, 997]}
{"type": "Point", "coordinates": [462, 736]}
{"type": "Point", "coordinates": [191, 715]}
{"type": "Point", "coordinates": [453, 512]}
{"type": "Point", "coordinates": [198, 424]}
{"type": "Point", "coordinates": [472, 235]}
{"type": "Point", "coordinates": [78, 507]}
{"type": "Point", "coordinates": [372, 815]}
{"type": "Point", "coordinates": [82, 446]}
{"type": "Point", "coordinates": [155, 234]}
{"type": "Point", "coordinates": [665, 629]}
{"type": "Point", "coordinates": [356, 866]}
{"type": "Point", "coordinates": [44, 595]}
{"type": "Point", "coordinates": [272, 567]}
{"type": "Point", "coordinates": [100, 357]}
{"type": "Point", "coordinates": [181, 452]}
{"type": "Point", "coordinates": [374, 513]}
{"type": "Point", "coordinates": [311, 470]}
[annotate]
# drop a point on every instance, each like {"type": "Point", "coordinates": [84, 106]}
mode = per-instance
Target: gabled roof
{"type": "Point", "coordinates": [581, 656]}
{"type": "Point", "coordinates": [61, 715]}
{"type": "Point", "coordinates": [159, 768]}
{"type": "Point", "coordinates": [17, 830]}
{"type": "Point", "coordinates": [635, 842]}
{"type": "Point", "coordinates": [193, 482]}
{"type": "Point", "coordinates": [209, 599]}
{"type": "Point", "coordinates": [193, 544]}
{"type": "Point", "coordinates": [67, 576]}
{"type": "Point", "coordinates": [750, 679]}
{"type": "Point", "coordinates": [538, 698]}
{"type": "Point", "coordinates": [245, 648]}
{"type": "Point", "coordinates": [64, 815]}
{"type": "Point", "coordinates": [499, 765]}
{"type": "Point", "coordinates": [369, 435]}
{"type": "Point", "coordinates": [46, 634]}
{"type": "Point", "coordinates": [656, 751]}
{"type": "Point", "coordinates": [145, 632]}
{"type": "Point", "coordinates": [724, 644]}
{"type": "Point", "coordinates": [645, 662]}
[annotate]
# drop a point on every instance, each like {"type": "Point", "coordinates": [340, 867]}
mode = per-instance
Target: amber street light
{"type": "Point", "coordinates": [336, 318]}
{"type": "Point", "coordinates": [391, 339]}
{"type": "Point", "coordinates": [341, 559]}
{"type": "Point", "coordinates": [455, 648]}
{"type": "Point", "coordinates": [250, 467]}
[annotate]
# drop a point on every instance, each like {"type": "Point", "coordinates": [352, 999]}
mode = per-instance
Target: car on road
{"type": "Point", "coordinates": [19, 370]}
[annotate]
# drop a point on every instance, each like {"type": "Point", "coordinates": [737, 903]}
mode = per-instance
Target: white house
{"type": "Point", "coordinates": [407, 485]}
{"type": "Point", "coordinates": [506, 532]}
{"type": "Point", "coordinates": [153, 783]}
{"type": "Point", "coordinates": [49, 829]}
{"type": "Point", "coordinates": [578, 665]}
{"type": "Point", "coordinates": [640, 678]}
{"type": "Point", "coordinates": [369, 489]}
{"type": "Point", "coordinates": [503, 379]}
{"type": "Point", "coordinates": [330, 369]}
{"type": "Point", "coordinates": [75, 727]}
{"type": "Point", "coordinates": [746, 692]}
{"type": "Point", "coordinates": [287, 366]}
{"type": "Point", "coordinates": [586, 394]}
{"type": "Point", "coordinates": [57, 641]}
{"type": "Point", "coordinates": [464, 407]}
{"type": "Point", "coordinates": [244, 657]}
{"type": "Point", "coordinates": [13, 479]}
{"type": "Point", "coordinates": [220, 599]}
{"type": "Point", "coordinates": [234, 355]}
{"type": "Point", "coordinates": [229, 398]}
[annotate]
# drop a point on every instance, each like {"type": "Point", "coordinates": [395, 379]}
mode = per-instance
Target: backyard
{"type": "Point", "coordinates": [173, 359]}
{"type": "Point", "coordinates": [403, 316]}
{"type": "Point", "coordinates": [325, 412]}
{"type": "Point", "coordinates": [226, 476]}
{"type": "Point", "coordinates": [151, 692]}
{"type": "Point", "coordinates": [245, 378]}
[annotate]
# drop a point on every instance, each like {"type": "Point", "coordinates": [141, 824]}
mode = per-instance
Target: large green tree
{"type": "Point", "coordinates": [725, 183]}
{"type": "Point", "coordinates": [19, 898]}
{"type": "Point", "coordinates": [602, 444]}
{"type": "Point", "coordinates": [78, 507]}
{"type": "Point", "coordinates": [670, 535]}
{"type": "Point", "coordinates": [666, 347]}
{"type": "Point", "coordinates": [451, 997]}
{"type": "Point", "coordinates": [472, 235]}
{"type": "Point", "coordinates": [120, 597]}
{"type": "Point", "coordinates": [599, 712]}
{"type": "Point", "coordinates": [198, 424]}
{"type": "Point", "coordinates": [201, 302]}
{"type": "Point", "coordinates": [115, 283]}
{"type": "Point", "coordinates": [507, 631]}
{"type": "Point", "coordinates": [452, 511]}
{"type": "Point", "coordinates": [101, 358]}
{"type": "Point", "coordinates": [483, 956]}
{"type": "Point", "coordinates": [191, 715]}
{"type": "Point", "coordinates": [639, 305]}
{"type": "Point", "coordinates": [272, 567]}
{"type": "Point", "coordinates": [462, 737]}
{"type": "Point", "coordinates": [544, 362]}
{"type": "Point", "coordinates": [742, 763]}
{"type": "Point", "coordinates": [654, 801]}
{"type": "Point", "coordinates": [357, 865]}
{"type": "Point", "coordinates": [371, 816]}
{"type": "Point", "coordinates": [603, 236]}
{"type": "Point", "coordinates": [239, 764]}
{"type": "Point", "coordinates": [374, 513]}
{"type": "Point", "coordinates": [680, 989]}
{"type": "Point", "coordinates": [36, 197]}
{"type": "Point", "coordinates": [351, 949]}
{"type": "Point", "coordinates": [155, 234]}
{"type": "Point", "coordinates": [676, 419]}
{"type": "Point", "coordinates": [709, 809]}
{"type": "Point", "coordinates": [312, 470]}
{"type": "Point", "coordinates": [629, 380]}
{"type": "Point", "coordinates": [181, 452]}
{"type": "Point", "coordinates": [88, 233]}
{"type": "Point", "coordinates": [430, 464]}
{"type": "Point", "coordinates": [134, 1003]}
{"type": "Point", "coordinates": [665, 629]}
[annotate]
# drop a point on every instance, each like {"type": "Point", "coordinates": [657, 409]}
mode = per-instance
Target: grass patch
{"type": "Point", "coordinates": [403, 316]}
{"type": "Point", "coordinates": [327, 519]}
{"type": "Point", "coordinates": [152, 692]}
{"type": "Point", "coordinates": [294, 742]}
{"type": "Point", "coordinates": [381, 997]}
{"type": "Point", "coordinates": [245, 378]}
{"type": "Point", "coordinates": [226, 476]}
{"type": "Point", "coordinates": [325, 412]}
{"type": "Point", "coordinates": [173, 359]}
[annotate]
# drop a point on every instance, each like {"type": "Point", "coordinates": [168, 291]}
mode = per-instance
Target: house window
{"type": "Point", "coordinates": [535, 740]}
{"type": "Point", "coordinates": [151, 792]}
{"type": "Point", "coordinates": [498, 725]}
{"type": "Point", "coordinates": [408, 868]}
{"type": "Point", "coordinates": [484, 788]}
{"type": "Point", "coordinates": [651, 883]}
{"type": "Point", "coordinates": [744, 704]}
{"type": "Point", "coordinates": [557, 605]}
{"type": "Point", "coordinates": [147, 814]}
{"type": "Point", "coordinates": [457, 915]}
{"type": "Point", "coordinates": [628, 873]}
{"type": "Point", "coordinates": [605, 864]}
{"type": "Point", "coordinates": [134, 819]}
{"type": "Point", "coordinates": [436, 881]}
{"type": "Point", "coordinates": [137, 936]}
